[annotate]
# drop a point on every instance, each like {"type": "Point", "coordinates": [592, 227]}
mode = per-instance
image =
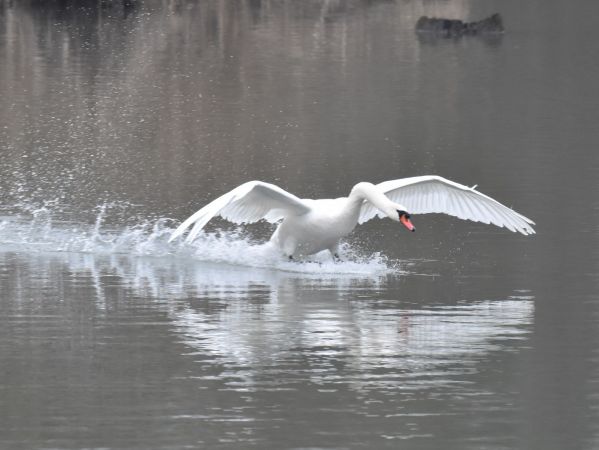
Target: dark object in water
{"type": "Point", "coordinates": [453, 28]}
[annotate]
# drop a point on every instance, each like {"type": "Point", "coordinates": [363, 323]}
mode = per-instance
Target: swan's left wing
{"type": "Point", "coordinates": [250, 202]}
{"type": "Point", "coordinates": [434, 194]}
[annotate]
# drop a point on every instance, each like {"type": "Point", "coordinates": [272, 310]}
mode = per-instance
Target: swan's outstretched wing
{"type": "Point", "coordinates": [250, 202]}
{"type": "Point", "coordinates": [434, 194]}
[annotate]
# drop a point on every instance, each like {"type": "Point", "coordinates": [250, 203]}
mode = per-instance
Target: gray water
{"type": "Point", "coordinates": [118, 122]}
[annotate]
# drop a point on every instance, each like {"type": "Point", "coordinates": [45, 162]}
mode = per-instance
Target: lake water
{"type": "Point", "coordinates": [117, 122]}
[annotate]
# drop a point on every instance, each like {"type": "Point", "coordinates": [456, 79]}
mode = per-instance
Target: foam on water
{"type": "Point", "coordinates": [38, 230]}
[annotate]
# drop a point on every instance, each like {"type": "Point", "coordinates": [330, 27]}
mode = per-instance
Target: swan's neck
{"type": "Point", "coordinates": [368, 191]}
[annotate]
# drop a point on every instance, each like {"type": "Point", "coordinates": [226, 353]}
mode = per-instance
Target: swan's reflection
{"type": "Point", "coordinates": [364, 346]}
{"type": "Point", "coordinates": [250, 327]}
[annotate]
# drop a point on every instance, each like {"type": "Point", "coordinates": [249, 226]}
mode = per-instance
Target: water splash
{"type": "Point", "coordinates": [38, 230]}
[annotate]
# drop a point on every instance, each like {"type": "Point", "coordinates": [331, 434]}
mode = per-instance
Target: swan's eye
{"type": "Point", "coordinates": [403, 213]}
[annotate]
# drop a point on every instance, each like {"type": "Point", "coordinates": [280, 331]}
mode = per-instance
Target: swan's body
{"type": "Point", "coordinates": [327, 222]}
{"type": "Point", "coordinates": [309, 226]}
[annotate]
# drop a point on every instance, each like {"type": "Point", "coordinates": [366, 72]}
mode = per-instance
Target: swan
{"type": "Point", "coordinates": [310, 226]}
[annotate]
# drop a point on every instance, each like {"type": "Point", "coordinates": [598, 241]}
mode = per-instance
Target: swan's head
{"type": "Point", "coordinates": [372, 194]}
{"type": "Point", "coordinates": [404, 218]}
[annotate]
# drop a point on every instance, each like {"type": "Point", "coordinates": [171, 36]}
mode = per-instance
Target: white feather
{"type": "Point", "coordinates": [434, 194]}
{"type": "Point", "coordinates": [250, 202]}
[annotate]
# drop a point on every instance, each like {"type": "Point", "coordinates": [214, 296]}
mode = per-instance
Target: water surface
{"type": "Point", "coordinates": [118, 122]}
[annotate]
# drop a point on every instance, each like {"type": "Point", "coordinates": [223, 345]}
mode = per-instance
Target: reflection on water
{"type": "Point", "coordinates": [389, 349]}
{"type": "Point", "coordinates": [252, 332]}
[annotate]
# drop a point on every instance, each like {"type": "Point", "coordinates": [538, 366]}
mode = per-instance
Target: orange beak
{"type": "Point", "coordinates": [405, 220]}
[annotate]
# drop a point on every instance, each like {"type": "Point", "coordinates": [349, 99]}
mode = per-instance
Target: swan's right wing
{"type": "Point", "coordinates": [434, 194]}
{"type": "Point", "coordinates": [250, 202]}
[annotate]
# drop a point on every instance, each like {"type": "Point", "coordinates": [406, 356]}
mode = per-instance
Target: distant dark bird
{"type": "Point", "coordinates": [455, 28]}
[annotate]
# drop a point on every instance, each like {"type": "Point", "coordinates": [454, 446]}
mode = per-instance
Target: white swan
{"type": "Point", "coordinates": [309, 226]}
